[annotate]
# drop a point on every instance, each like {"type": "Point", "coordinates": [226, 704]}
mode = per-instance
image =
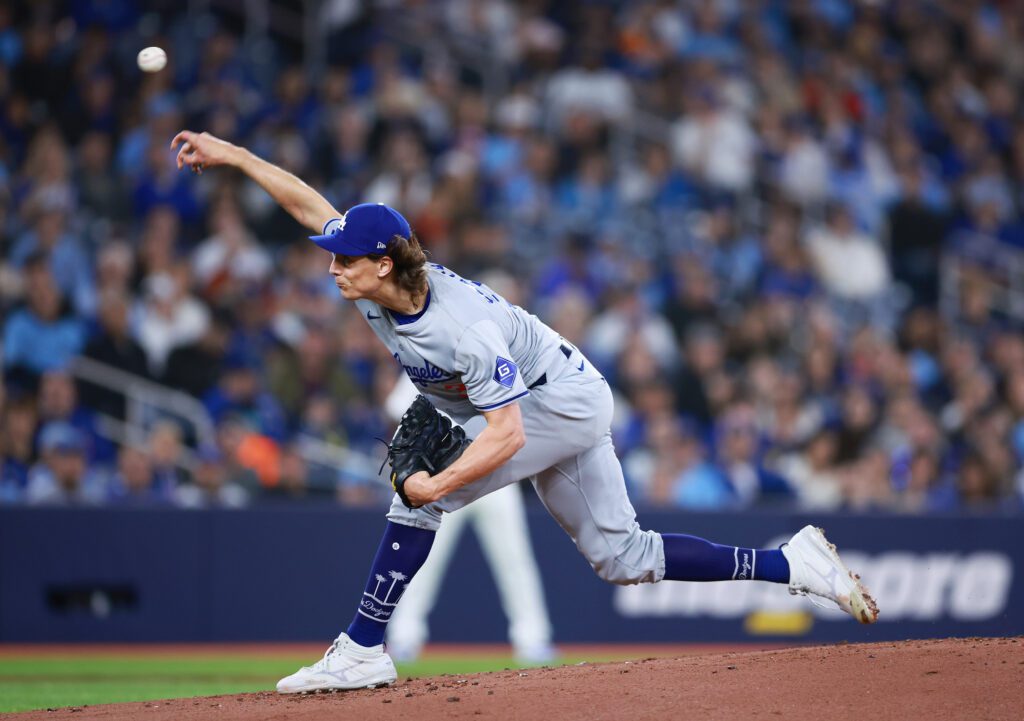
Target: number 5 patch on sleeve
{"type": "Point", "coordinates": [505, 372]}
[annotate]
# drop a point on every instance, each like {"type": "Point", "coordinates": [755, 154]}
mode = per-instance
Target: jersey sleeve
{"type": "Point", "coordinates": [489, 372]}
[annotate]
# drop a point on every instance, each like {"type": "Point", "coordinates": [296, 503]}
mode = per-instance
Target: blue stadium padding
{"type": "Point", "coordinates": [292, 572]}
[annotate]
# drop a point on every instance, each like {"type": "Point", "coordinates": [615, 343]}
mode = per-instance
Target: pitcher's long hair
{"type": "Point", "coordinates": [410, 272]}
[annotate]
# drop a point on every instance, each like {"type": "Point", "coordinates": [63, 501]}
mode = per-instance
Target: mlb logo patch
{"type": "Point", "coordinates": [505, 372]}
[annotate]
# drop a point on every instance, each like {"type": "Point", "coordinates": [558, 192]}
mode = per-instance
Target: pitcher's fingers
{"type": "Point", "coordinates": [187, 155]}
{"type": "Point", "coordinates": [184, 135]}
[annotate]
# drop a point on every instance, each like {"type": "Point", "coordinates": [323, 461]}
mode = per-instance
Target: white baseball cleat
{"type": "Point", "coordinates": [815, 568]}
{"type": "Point", "coordinates": [344, 667]}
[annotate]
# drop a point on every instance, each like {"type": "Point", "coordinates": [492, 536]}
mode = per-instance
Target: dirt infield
{"type": "Point", "coordinates": [934, 680]}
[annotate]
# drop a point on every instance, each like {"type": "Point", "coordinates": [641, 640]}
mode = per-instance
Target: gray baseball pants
{"type": "Point", "coordinates": [570, 459]}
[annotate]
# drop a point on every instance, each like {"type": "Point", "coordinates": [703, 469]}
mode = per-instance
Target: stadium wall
{"type": "Point", "coordinates": [295, 572]}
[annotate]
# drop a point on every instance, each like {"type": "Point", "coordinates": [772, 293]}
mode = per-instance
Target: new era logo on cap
{"type": "Point", "coordinates": [364, 230]}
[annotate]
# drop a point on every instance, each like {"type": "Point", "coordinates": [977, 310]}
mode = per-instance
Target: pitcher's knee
{"type": "Point", "coordinates": [426, 517]}
{"type": "Point", "coordinates": [640, 559]}
{"type": "Point", "coordinates": [622, 574]}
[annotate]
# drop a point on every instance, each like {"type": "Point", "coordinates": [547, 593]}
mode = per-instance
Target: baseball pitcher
{"type": "Point", "coordinates": [526, 404]}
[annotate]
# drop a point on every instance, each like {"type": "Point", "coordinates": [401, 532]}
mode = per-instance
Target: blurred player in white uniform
{"type": "Point", "coordinates": [499, 520]}
{"type": "Point", "coordinates": [533, 406]}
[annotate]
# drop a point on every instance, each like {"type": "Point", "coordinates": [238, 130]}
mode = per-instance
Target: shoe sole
{"type": "Point", "coordinates": [328, 688]}
{"type": "Point", "coordinates": [333, 689]}
{"type": "Point", "coordinates": [862, 605]}
{"type": "Point", "coordinates": [338, 689]}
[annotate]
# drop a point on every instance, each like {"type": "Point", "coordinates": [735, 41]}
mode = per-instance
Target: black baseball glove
{"type": "Point", "coordinates": [425, 441]}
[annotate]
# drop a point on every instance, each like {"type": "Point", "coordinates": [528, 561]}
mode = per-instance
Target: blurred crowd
{"type": "Point", "coordinates": [740, 211]}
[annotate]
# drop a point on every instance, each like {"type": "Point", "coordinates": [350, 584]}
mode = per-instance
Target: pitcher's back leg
{"type": "Point", "coordinates": [586, 494]}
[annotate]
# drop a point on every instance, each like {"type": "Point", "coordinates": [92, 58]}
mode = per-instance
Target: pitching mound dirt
{"type": "Point", "coordinates": [929, 680]}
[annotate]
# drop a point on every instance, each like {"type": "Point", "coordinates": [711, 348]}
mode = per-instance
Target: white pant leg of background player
{"type": "Point", "coordinates": [500, 524]}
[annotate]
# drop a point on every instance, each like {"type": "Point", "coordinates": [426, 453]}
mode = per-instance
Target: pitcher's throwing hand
{"type": "Point", "coordinates": [202, 150]}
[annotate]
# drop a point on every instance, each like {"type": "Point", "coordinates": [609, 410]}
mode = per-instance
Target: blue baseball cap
{"type": "Point", "coordinates": [366, 229]}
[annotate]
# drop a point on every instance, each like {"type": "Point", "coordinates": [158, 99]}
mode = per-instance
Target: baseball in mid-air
{"type": "Point", "coordinates": [152, 59]}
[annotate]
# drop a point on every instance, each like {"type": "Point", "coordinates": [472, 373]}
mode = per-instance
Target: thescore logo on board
{"type": "Point", "coordinates": [909, 586]}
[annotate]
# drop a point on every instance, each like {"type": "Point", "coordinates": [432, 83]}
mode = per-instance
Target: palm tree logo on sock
{"type": "Point", "coordinates": [396, 576]}
{"type": "Point", "coordinates": [382, 612]}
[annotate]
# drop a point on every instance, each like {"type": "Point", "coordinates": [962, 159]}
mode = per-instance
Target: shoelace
{"type": "Point", "coordinates": [331, 649]}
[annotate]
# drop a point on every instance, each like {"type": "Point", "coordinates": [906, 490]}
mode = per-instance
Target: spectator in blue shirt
{"type": "Point", "coordinates": [739, 456]}
{"type": "Point", "coordinates": [63, 477]}
{"type": "Point", "coordinates": [58, 401]}
{"type": "Point", "coordinates": [69, 263]}
{"type": "Point", "coordinates": [240, 395]}
{"type": "Point", "coordinates": [135, 482]}
{"type": "Point", "coordinates": [39, 337]}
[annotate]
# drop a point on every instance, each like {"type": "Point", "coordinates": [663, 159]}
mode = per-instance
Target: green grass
{"type": "Point", "coordinates": [41, 682]}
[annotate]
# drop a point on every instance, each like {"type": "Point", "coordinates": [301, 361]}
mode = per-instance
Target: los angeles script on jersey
{"type": "Point", "coordinates": [427, 373]}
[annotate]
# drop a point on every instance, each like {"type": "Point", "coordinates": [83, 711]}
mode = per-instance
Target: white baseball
{"type": "Point", "coordinates": [152, 59]}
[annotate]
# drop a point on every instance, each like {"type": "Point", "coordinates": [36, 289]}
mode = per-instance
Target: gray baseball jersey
{"type": "Point", "coordinates": [469, 350]}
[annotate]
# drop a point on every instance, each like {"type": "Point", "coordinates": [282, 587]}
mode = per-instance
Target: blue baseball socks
{"type": "Point", "coordinates": [404, 549]}
{"type": "Point", "coordinates": [688, 558]}
{"type": "Point", "coordinates": [401, 553]}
